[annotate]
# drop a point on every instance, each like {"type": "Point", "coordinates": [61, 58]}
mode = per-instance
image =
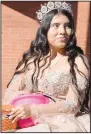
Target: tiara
{"type": "Point", "coordinates": [47, 7]}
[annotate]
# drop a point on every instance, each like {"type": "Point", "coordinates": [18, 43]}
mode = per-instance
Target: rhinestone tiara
{"type": "Point", "coordinates": [47, 7]}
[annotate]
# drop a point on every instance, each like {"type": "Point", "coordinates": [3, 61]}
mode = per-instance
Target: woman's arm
{"type": "Point", "coordinates": [18, 85]}
{"type": "Point", "coordinates": [15, 88]}
{"type": "Point", "coordinates": [69, 105]}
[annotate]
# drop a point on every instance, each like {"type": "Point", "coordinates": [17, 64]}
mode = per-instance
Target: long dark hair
{"type": "Point", "coordinates": [39, 48]}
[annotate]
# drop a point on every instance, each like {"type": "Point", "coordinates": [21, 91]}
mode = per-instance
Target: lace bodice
{"type": "Point", "coordinates": [52, 83]}
{"type": "Point", "coordinates": [56, 83]}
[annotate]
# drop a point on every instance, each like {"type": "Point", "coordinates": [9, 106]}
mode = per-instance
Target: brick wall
{"type": "Point", "coordinates": [83, 26]}
{"type": "Point", "coordinates": [19, 28]}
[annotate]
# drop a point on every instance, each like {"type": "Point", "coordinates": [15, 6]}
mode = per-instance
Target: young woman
{"type": "Point", "coordinates": [55, 66]}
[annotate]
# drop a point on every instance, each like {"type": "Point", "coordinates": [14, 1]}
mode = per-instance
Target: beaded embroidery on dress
{"type": "Point", "coordinates": [56, 83]}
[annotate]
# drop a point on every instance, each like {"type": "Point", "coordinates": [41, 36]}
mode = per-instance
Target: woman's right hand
{"type": "Point", "coordinates": [20, 112]}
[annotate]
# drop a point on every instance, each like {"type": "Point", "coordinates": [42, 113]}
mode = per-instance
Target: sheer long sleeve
{"type": "Point", "coordinates": [20, 84]}
{"type": "Point", "coordinates": [15, 88]}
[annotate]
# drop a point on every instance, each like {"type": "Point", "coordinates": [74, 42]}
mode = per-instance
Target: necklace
{"type": "Point", "coordinates": [51, 64]}
{"type": "Point", "coordinates": [54, 62]}
{"type": "Point", "coordinates": [58, 59]}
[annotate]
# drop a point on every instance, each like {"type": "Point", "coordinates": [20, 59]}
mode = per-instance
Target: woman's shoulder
{"type": "Point", "coordinates": [82, 59]}
{"type": "Point", "coordinates": [82, 63]}
{"type": "Point", "coordinates": [30, 65]}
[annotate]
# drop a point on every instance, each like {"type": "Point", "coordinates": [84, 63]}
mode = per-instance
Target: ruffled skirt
{"type": "Point", "coordinates": [60, 123]}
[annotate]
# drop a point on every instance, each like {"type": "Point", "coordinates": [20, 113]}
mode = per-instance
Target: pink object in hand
{"type": "Point", "coordinates": [29, 99]}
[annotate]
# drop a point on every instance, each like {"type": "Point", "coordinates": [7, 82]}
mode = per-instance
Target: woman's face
{"type": "Point", "coordinates": [59, 32]}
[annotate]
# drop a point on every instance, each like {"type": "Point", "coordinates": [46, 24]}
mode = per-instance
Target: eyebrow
{"type": "Point", "coordinates": [59, 23]}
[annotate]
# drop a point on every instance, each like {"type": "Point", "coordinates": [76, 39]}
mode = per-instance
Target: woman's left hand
{"type": "Point", "coordinates": [20, 112]}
